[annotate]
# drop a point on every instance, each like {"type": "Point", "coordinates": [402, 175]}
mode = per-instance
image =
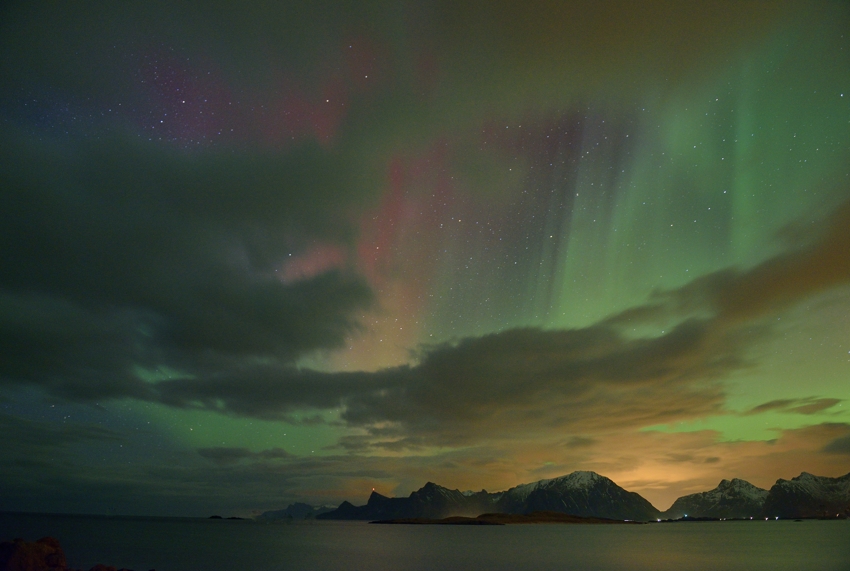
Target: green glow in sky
{"type": "Point", "coordinates": [264, 254]}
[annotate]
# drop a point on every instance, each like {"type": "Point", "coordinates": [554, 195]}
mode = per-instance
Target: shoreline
{"type": "Point", "coordinates": [541, 517]}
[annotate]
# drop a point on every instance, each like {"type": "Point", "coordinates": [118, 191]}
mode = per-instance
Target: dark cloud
{"type": "Point", "coordinates": [809, 405]}
{"type": "Point", "coordinates": [516, 382]}
{"type": "Point", "coordinates": [733, 297]}
{"type": "Point", "coordinates": [25, 435]}
{"type": "Point", "coordinates": [367, 442]}
{"type": "Point", "coordinates": [231, 455]}
{"type": "Point", "coordinates": [268, 391]}
{"type": "Point", "coordinates": [120, 257]}
{"type": "Point", "coordinates": [521, 381]}
{"type": "Point", "coordinates": [161, 164]}
{"type": "Point", "coordinates": [132, 270]}
{"type": "Point", "coordinates": [530, 380]}
{"type": "Point", "coordinates": [780, 281]}
{"type": "Point", "coordinates": [838, 446]}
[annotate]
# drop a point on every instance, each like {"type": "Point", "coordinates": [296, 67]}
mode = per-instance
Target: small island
{"type": "Point", "coordinates": [506, 519]}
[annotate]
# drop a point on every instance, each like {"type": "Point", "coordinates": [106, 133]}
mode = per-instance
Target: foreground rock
{"type": "Point", "coordinates": [43, 555]}
{"type": "Point", "coordinates": [585, 494]}
{"type": "Point", "coordinates": [506, 519]}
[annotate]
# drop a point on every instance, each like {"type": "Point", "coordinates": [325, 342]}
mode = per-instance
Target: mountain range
{"type": "Point", "coordinates": [294, 511]}
{"type": "Point", "coordinates": [734, 498]}
{"type": "Point", "coordinates": [808, 495]}
{"type": "Point", "coordinates": [589, 494]}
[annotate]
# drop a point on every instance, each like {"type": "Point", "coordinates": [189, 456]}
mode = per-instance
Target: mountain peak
{"type": "Point", "coordinates": [432, 492]}
{"type": "Point", "coordinates": [737, 484]}
{"type": "Point", "coordinates": [375, 497]}
{"type": "Point", "coordinates": [730, 499]}
{"type": "Point", "coordinates": [580, 493]}
{"type": "Point", "coordinates": [430, 487]}
{"type": "Point", "coordinates": [808, 495]}
{"type": "Point", "coordinates": [584, 477]}
{"type": "Point", "coordinates": [577, 479]}
{"type": "Point", "coordinates": [586, 493]}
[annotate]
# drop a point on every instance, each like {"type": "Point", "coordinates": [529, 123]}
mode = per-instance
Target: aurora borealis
{"type": "Point", "coordinates": [256, 253]}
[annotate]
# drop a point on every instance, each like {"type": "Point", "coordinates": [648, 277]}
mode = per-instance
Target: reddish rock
{"type": "Point", "coordinates": [43, 555]}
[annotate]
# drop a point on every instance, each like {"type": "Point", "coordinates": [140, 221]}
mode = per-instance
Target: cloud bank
{"type": "Point", "coordinates": [170, 294]}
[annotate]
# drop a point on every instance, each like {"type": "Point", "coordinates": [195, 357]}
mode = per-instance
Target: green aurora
{"type": "Point", "coordinates": [264, 254]}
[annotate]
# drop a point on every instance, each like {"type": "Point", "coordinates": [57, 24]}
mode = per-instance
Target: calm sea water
{"type": "Point", "coordinates": [169, 544]}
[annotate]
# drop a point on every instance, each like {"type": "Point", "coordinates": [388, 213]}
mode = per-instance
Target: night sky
{"type": "Point", "coordinates": [254, 253]}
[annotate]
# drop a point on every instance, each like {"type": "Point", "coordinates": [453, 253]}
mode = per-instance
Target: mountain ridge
{"type": "Point", "coordinates": [734, 498]}
{"type": "Point", "coordinates": [588, 494]}
{"type": "Point", "coordinates": [584, 494]}
{"type": "Point", "coordinates": [808, 495]}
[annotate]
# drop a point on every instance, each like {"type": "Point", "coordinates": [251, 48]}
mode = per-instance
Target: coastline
{"type": "Point", "coordinates": [539, 517]}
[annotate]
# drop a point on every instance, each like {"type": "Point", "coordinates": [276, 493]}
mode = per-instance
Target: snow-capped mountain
{"type": "Point", "coordinates": [589, 494]}
{"type": "Point", "coordinates": [808, 495]}
{"type": "Point", "coordinates": [579, 493]}
{"type": "Point", "coordinates": [577, 480]}
{"type": "Point", "coordinates": [734, 498]}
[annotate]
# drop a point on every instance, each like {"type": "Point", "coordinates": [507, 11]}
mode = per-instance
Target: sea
{"type": "Point", "coordinates": [192, 544]}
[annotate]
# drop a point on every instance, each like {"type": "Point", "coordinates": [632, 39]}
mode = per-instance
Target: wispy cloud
{"type": "Point", "coordinates": [231, 455]}
{"type": "Point", "coordinates": [838, 446]}
{"type": "Point", "coordinates": [809, 405]}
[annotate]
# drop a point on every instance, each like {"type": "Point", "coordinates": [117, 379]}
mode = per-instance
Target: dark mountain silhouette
{"type": "Point", "coordinates": [584, 494]}
{"type": "Point", "coordinates": [809, 496]}
{"type": "Point", "coordinates": [431, 501]}
{"type": "Point", "coordinates": [587, 494]}
{"type": "Point", "coordinates": [805, 496]}
{"type": "Point", "coordinates": [730, 499]}
{"type": "Point", "coordinates": [294, 511]}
